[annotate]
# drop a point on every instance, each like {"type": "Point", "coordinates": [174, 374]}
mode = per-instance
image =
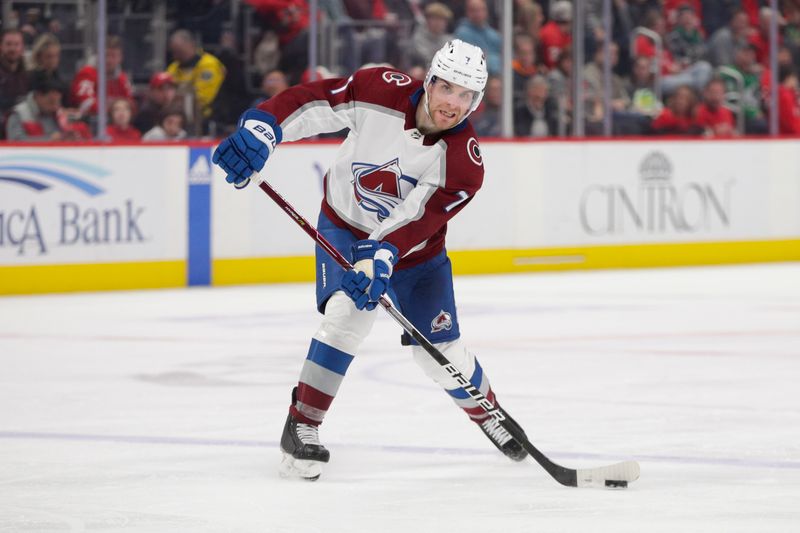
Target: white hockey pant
{"type": "Point", "coordinates": [343, 326]}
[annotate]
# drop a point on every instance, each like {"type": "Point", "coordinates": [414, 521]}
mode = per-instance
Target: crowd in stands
{"type": "Point", "coordinates": [679, 67]}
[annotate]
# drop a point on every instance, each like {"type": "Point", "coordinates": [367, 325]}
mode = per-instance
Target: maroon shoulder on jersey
{"type": "Point", "coordinates": [463, 178]}
{"type": "Point", "coordinates": [379, 86]}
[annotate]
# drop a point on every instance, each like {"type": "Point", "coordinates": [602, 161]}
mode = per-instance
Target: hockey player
{"type": "Point", "coordinates": [410, 163]}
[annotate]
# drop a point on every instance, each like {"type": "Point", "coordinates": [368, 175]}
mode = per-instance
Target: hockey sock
{"type": "Point", "coordinates": [322, 374]}
{"type": "Point", "coordinates": [466, 362]}
{"type": "Point", "coordinates": [464, 400]}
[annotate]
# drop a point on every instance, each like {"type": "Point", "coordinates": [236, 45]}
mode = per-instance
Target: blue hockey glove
{"type": "Point", "coordinates": [248, 148]}
{"type": "Point", "coordinates": [373, 263]}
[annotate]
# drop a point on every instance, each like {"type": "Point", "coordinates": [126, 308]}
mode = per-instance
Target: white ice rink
{"type": "Point", "coordinates": [160, 411]}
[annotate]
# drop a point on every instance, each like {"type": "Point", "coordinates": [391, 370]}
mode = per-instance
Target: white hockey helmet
{"type": "Point", "coordinates": [463, 64]}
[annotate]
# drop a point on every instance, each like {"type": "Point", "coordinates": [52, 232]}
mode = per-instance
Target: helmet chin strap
{"type": "Point", "coordinates": [427, 102]}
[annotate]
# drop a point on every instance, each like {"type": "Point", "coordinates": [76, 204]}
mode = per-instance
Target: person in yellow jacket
{"type": "Point", "coordinates": [199, 70]}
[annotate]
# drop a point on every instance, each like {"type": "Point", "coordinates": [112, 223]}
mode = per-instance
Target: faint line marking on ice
{"type": "Point", "coordinates": [373, 373]}
{"type": "Point", "coordinates": [130, 338]}
{"type": "Point", "coordinates": [189, 441]}
{"type": "Point", "coordinates": [664, 334]}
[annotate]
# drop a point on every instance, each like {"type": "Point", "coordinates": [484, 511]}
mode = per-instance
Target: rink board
{"type": "Point", "coordinates": [128, 217]}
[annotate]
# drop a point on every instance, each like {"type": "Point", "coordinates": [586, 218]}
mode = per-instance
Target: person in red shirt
{"type": "Point", "coordinates": [672, 7]}
{"type": "Point", "coordinates": [556, 35]}
{"type": "Point", "coordinates": [120, 129]}
{"type": "Point", "coordinates": [678, 118]}
{"type": "Point", "coordinates": [716, 119]}
{"type": "Point", "coordinates": [760, 38]}
{"type": "Point", "coordinates": [290, 20]}
{"type": "Point", "coordinates": [83, 91]}
{"type": "Point", "coordinates": [788, 107]}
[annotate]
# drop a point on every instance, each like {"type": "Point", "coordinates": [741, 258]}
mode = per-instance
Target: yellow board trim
{"type": "Point", "coordinates": [624, 256]}
{"type": "Point", "coordinates": [36, 279]}
{"type": "Point", "coordinates": [301, 268]}
{"type": "Point", "coordinates": [262, 270]}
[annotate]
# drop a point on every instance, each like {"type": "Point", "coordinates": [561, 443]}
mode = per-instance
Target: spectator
{"type": "Point", "coordinates": [556, 35]}
{"type": "Point", "coordinates": [673, 73]}
{"type": "Point", "coordinates": [725, 40]}
{"type": "Point", "coordinates": [639, 10]}
{"type": "Point", "coordinates": [457, 7]}
{"type": "Point", "coordinates": [272, 83]}
{"type": "Point", "coordinates": [749, 98]}
{"type": "Point", "coordinates": [559, 78]}
{"type": "Point", "coordinates": [170, 127]}
{"type": "Point", "coordinates": [621, 26]}
{"type": "Point", "coordinates": [784, 60]}
{"type": "Point", "coordinates": [83, 91]}
{"type": "Point", "coordinates": [641, 89]}
{"type": "Point", "coordinates": [595, 80]}
{"type": "Point", "coordinates": [626, 119]}
{"type": "Point", "coordinates": [475, 29]}
{"type": "Point", "coordinates": [39, 116]}
{"type": "Point", "coordinates": [686, 41]}
{"type": "Point", "coordinates": [119, 128]}
{"type": "Point", "coordinates": [751, 7]}
{"type": "Point", "coordinates": [289, 19]}
{"type": "Point", "coordinates": [791, 32]}
{"type": "Point", "coordinates": [430, 37]}
{"type": "Point", "coordinates": [13, 78]}
{"type": "Point", "coordinates": [487, 119]}
{"type": "Point", "coordinates": [233, 96]}
{"type": "Point", "coordinates": [672, 10]}
{"type": "Point", "coordinates": [712, 115]}
{"type": "Point", "coordinates": [537, 114]}
{"type": "Point", "coordinates": [368, 43]}
{"type": "Point", "coordinates": [788, 108]}
{"type": "Point", "coordinates": [524, 64]}
{"type": "Point", "coordinates": [161, 94]}
{"type": "Point", "coordinates": [46, 57]}
{"type": "Point", "coordinates": [760, 37]}
{"type": "Point", "coordinates": [529, 17]}
{"type": "Point", "coordinates": [196, 73]}
{"type": "Point", "coordinates": [718, 13]}
{"type": "Point", "coordinates": [32, 24]}
{"type": "Point", "coordinates": [678, 118]}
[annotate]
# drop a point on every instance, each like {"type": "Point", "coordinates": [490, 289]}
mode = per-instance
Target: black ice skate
{"type": "Point", "coordinates": [303, 454]}
{"type": "Point", "coordinates": [501, 438]}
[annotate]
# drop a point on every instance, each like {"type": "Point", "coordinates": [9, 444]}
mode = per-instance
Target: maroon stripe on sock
{"type": "Point", "coordinates": [478, 413]}
{"type": "Point", "coordinates": [313, 398]}
{"type": "Point", "coordinates": [300, 417]}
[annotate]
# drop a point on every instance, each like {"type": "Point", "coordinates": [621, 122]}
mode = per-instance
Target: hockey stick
{"type": "Point", "coordinates": [616, 475]}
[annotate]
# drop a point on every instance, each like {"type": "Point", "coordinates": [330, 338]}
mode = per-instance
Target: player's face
{"type": "Point", "coordinates": [448, 103]}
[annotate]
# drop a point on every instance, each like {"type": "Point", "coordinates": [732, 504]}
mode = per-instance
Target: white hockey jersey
{"type": "Point", "coordinates": [389, 181]}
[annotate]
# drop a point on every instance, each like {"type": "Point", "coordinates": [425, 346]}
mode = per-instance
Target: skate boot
{"type": "Point", "coordinates": [303, 455]}
{"type": "Point", "coordinates": [501, 438]}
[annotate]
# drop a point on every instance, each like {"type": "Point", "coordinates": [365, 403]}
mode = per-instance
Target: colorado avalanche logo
{"type": "Point", "coordinates": [442, 322]}
{"type": "Point", "coordinates": [398, 78]}
{"type": "Point", "coordinates": [380, 188]}
{"type": "Point", "coordinates": [474, 152]}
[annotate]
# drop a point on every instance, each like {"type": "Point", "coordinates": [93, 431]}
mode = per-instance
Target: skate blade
{"type": "Point", "coordinates": [299, 468]}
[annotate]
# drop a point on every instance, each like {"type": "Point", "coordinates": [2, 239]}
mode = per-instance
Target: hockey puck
{"type": "Point", "coordinates": [616, 484]}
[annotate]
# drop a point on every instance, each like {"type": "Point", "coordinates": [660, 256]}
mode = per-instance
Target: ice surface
{"type": "Point", "coordinates": [161, 410]}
